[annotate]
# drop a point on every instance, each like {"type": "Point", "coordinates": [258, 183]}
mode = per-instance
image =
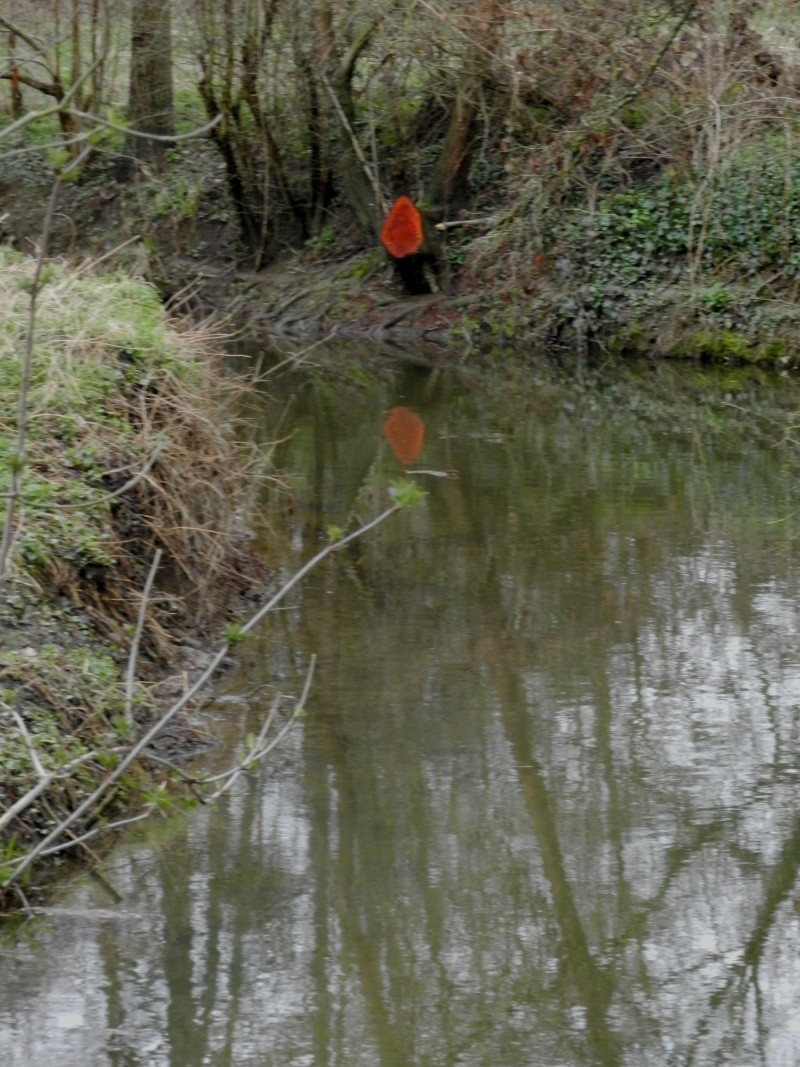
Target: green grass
{"type": "Point", "coordinates": [98, 340]}
{"type": "Point", "coordinates": [123, 402]}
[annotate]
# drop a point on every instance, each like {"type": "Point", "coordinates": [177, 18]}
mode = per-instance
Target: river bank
{"type": "Point", "coordinates": [128, 534]}
{"type": "Point", "coordinates": [667, 262]}
{"type": "Point", "coordinates": [691, 267]}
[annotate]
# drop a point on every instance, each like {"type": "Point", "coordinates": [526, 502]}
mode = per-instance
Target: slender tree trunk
{"type": "Point", "coordinates": [76, 53]}
{"type": "Point", "coordinates": [449, 187]}
{"type": "Point", "coordinates": [150, 102]}
{"type": "Point", "coordinates": [336, 74]}
{"type": "Point", "coordinates": [16, 91]}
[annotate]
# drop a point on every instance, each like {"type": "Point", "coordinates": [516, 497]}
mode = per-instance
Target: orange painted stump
{"type": "Point", "coordinates": [403, 232]}
{"type": "Point", "coordinates": [405, 432]}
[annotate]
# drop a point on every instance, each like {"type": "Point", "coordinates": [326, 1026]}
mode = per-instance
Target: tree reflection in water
{"type": "Point", "coordinates": [544, 807]}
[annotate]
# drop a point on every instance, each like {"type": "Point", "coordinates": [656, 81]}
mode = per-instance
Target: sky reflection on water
{"type": "Point", "coordinates": [544, 808]}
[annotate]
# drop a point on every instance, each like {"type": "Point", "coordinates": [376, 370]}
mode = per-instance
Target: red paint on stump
{"type": "Point", "coordinates": [402, 232]}
{"type": "Point", "coordinates": [405, 432]}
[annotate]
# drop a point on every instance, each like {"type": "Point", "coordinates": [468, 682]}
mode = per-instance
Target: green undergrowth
{"type": "Point", "coordinates": [685, 262]}
{"type": "Point", "coordinates": [744, 220]}
{"type": "Point", "coordinates": [129, 451]}
{"type": "Point", "coordinates": [718, 249]}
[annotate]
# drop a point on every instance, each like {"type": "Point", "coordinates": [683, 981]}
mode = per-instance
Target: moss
{"type": "Point", "coordinates": [634, 117]}
{"type": "Point", "coordinates": [725, 346]}
{"type": "Point", "coordinates": [367, 265]}
{"type": "Point", "coordinates": [772, 352]}
{"type": "Point", "coordinates": [631, 337]}
{"type": "Point", "coordinates": [719, 346]}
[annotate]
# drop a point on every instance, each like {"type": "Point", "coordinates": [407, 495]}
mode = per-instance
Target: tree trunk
{"type": "Point", "coordinates": [449, 186]}
{"type": "Point", "coordinates": [150, 100]}
{"type": "Point", "coordinates": [16, 91]}
{"type": "Point", "coordinates": [358, 185]}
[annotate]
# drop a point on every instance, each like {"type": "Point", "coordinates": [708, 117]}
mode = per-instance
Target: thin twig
{"type": "Point", "coordinates": [641, 84]}
{"type": "Point", "coordinates": [380, 200]}
{"type": "Point", "coordinates": [23, 729]}
{"type": "Point", "coordinates": [203, 678]}
{"type": "Point", "coordinates": [258, 750]}
{"type": "Point", "coordinates": [92, 263]}
{"type": "Point", "coordinates": [25, 801]}
{"type": "Point", "coordinates": [36, 791]}
{"type": "Point", "coordinates": [131, 132]}
{"type": "Point", "coordinates": [130, 677]}
{"type": "Point", "coordinates": [60, 105]}
{"type": "Point", "coordinates": [296, 358]}
{"type": "Point", "coordinates": [18, 31]}
{"type": "Point", "coordinates": [73, 841]}
{"type": "Point", "coordinates": [18, 458]}
{"type": "Point", "coordinates": [255, 747]}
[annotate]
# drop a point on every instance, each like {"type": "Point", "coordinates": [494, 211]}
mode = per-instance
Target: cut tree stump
{"type": "Point", "coordinates": [414, 248]}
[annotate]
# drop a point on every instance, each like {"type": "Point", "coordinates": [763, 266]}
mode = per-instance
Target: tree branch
{"type": "Point", "coordinates": [130, 678]}
{"type": "Point", "coordinates": [18, 458]}
{"type": "Point", "coordinates": [46, 844]}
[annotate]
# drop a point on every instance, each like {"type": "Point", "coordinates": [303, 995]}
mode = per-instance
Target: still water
{"type": "Point", "coordinates": [545, 806]}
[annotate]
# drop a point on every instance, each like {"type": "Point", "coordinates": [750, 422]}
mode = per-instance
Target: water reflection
{"type": "Point", "coordinates": [544, 807]}
{"type": "Point", "coordinates": [405, 432]}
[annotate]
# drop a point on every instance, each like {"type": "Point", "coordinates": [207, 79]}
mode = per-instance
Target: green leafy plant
{"type": "Point", "coordinates": [406, 493]}
{"type": "Point", "coordinates": [717, 298]}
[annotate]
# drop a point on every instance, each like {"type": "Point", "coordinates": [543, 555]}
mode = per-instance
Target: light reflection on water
{"type": "Point", "coordinates": [544, 809]}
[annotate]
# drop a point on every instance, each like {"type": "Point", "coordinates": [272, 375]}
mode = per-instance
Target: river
{"type": "Point", "coordinates": [544, 807]}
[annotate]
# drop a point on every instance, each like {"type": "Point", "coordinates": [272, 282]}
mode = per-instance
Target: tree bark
{"type": "Point", "coordinates": [16, 91]}
{"type": "Point", "coordinates": [449, 186]}
{"type": "Point", "coordinates": [150, 101]}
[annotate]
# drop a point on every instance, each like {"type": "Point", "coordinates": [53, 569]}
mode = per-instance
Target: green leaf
{"type": "Point", "coordinates": [406, 494]}
{"type": "Point", "coordinates": [234, 633]}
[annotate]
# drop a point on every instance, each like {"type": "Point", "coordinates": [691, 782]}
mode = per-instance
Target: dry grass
{"type": "Point", "coordinates": [130, 450]}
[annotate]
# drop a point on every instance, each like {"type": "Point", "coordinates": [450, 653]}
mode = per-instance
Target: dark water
{"type": "Point", "coordinates": [545, 807]}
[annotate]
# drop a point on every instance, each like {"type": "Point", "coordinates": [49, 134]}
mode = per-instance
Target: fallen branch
{"type": "Point", "coordinates": [454, 224]}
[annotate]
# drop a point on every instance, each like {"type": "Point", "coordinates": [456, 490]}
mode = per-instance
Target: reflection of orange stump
{"type": "Point", "coordinates": [405, 432]}
{"type": "Point", "coordinates": [402, 234]}
{"type": "Point", "coordinates": [415, 248]}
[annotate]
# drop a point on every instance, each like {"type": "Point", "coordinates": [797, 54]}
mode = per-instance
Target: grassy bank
{"type": "Point", "coordinates": [128, 453]}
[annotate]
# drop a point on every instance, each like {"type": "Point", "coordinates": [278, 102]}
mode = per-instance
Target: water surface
{"type": "Point", "coordinates": [545, 806]}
